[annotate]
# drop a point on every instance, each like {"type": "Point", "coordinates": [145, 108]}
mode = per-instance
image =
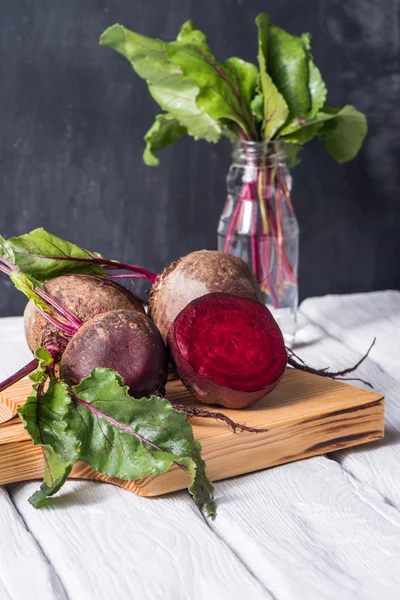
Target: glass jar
{"type": "Point", "coordinates": [259, 225]}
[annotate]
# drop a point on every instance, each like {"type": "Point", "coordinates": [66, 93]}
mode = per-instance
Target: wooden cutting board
{"type": "Point", "coordinates": [306, 415]}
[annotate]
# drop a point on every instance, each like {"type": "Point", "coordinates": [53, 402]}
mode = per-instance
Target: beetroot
{"type": "Point", "coordinates": [195, 275]}
{"type": "Point", "coordinates": [123, 340]}
{"type": "Point", "coordinates": [84, 296]}
{"type": "Point", "coordinates": [227, 350]}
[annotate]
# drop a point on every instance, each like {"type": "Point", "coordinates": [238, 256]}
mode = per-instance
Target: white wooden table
{"type": "Point", "coordinates": [323, 528]}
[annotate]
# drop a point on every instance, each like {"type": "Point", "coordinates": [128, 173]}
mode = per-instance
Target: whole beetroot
{"type": "Point", "coordinates": [192, 276]}
{"type": "Point", "coordinates": [124, 340]}
{"type": "Point", "coordinates": [84, 296]}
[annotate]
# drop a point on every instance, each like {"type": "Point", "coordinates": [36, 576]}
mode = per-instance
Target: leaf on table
{"type": "Point", "coordinates": [56, 471]}
{"type": "Point", "coordinates": [343, 132]}
{"type": "Point", "coordinates": [274, 106]}
{"type": "Point", "coordinates": [132, 438]}
{"type": "Point", "coordinates": [287, 64]}
{"type": "Point", "coordinates": [6, 250]}
{"type": "Point", "coordinates": [31, 247]}
{"type": "Point", "coordinates": [220, 94]}
{"type": "Point", "coordinates": [166, 130]}
{"type": "Point", "coordinates": [175, 93]}
{"type": "Point", "coordinates": [44, 418]}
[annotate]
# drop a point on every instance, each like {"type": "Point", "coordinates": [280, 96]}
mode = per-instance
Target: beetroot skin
{"type": "Point", "coordinates": [124, 340]}
{"type": "Point", "coordinates": [227, 350]}
{"type": "Point", "coordinates": [199, 273]}
{"type": "Point", "coordinates": [84, 296]}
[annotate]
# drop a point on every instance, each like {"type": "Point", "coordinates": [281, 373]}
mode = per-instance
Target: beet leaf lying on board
{"type": "Point", "coordinates": [99, 423]}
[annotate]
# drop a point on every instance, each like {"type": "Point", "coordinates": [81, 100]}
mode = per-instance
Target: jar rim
{"type": "Point", "coordinates": [253, 152]}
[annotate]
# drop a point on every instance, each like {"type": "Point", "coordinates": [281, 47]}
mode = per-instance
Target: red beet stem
{"type": "Point", "coordinates": [64, 313]}
{"type": "Point", "coordinates": [232, 341]}
{"type": "Point", "coordinates": [7, 265]}
{"type": "Point", "coordinates": [255, 250]}
{"type": "Point", "coordinates": [111, 264]}
{"type": "Point", "coordinates": [59, 316]}
{"type": "Point", "coordinates": [69, 330]}
{"type": "Point", "coordinates": [31, 366]}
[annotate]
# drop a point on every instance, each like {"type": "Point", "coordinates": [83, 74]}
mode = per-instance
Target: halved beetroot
{"type": "Point", "coordinates": [227, 350]}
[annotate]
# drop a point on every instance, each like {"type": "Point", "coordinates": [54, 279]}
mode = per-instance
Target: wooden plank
{"type": "Point", "coordinates": [305, 416]}
{"type": "Point", "coordinates": [8, 409]}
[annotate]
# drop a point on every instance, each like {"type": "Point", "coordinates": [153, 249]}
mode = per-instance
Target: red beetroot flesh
{"type": "Point", "coordinates": [228, 350]}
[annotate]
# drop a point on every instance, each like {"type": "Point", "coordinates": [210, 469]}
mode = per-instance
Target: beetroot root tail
{"type": "Point", "coordinates": [296, 362]}
{"type": "Point", "coordinates": [192, 411]}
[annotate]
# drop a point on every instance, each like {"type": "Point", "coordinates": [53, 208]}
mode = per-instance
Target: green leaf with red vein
{"type": "Point", "coordinates": [175, 93]}
{"type": "Point", "coordinates": [6, 251]}
{"type": "Point", "coordinates": [318, 93]}
{"type": "Point", "coordinates": [275, 109]}
{"type": "Point", "coordinates": [287, 64]}
{"type": "Point", "coordinates": [132, 438]}
{"type": "Point", "coordinates": [246, 76]}
{"type": "Point", "coordinates": [220, 94]}
{"type": "Point", "coordinates": [43, 416]}
{"type": "Point", "coordinates": [30, 248]}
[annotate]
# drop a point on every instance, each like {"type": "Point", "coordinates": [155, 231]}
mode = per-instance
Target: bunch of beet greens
{"type": "Point", "coordinates": [100, 362]}
{"type": "Point", "coordinates": [281, 101]}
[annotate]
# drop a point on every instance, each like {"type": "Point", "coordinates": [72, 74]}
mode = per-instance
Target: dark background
{"type": "Point", "coordinates": [73, 115]}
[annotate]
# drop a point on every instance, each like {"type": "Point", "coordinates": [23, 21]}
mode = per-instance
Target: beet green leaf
{"type": "Point", "coordinates": [6, 251]}
{"type": "Point", "coordinates": [128, 438]}
{"type": "Point", "coordinates": [287, 62]}
{"type": "Point", "coordinates": [43, 416]}
{"type": "Point", "coordinates": [221, 93]}
{"type": "Point", "coordinates": [274, 107]}
{"type": "Point", "coordinates": [342, 131]}
{"type": "Point", "coordinates": [30, 248]}
{"type": "Point", "coordinates": [28, 286]}
{"type": "Point", "coordinates": [56, 471]}
{"type": "Point", "coordinates": [166, 130]}
{"type": "Point", "coordinates": [167, 84]}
